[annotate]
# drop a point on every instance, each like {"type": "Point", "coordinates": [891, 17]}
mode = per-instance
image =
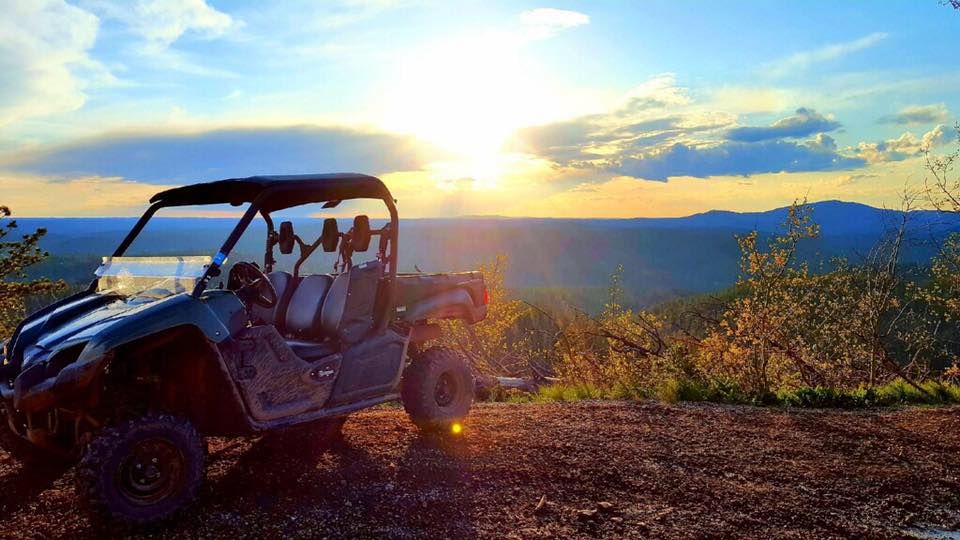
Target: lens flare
{"type": "Point", "coordinates": [456, 428]}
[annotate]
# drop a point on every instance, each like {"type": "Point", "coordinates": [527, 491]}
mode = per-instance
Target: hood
{"type": "Point", "coordinates": [75, 321]}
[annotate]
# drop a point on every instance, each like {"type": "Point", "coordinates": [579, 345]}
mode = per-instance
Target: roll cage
{"type": "Point", "coordinates": [267, 194]}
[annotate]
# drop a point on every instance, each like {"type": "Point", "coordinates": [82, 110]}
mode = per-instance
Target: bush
{"type": "Point", "coordinates": [669, 391]}
{"type": "Point", "coordinates": [687, 389]}
{"type": "Point", "coordinates": [574, 392]}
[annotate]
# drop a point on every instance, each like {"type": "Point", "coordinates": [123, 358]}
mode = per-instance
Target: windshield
{"type": "Point", "coordinates": [150, 277]}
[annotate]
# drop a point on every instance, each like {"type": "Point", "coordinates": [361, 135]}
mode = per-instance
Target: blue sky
{"type": "Point", "coordinates": [516, 108]}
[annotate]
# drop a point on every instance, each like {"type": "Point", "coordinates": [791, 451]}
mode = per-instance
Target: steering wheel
{"type": "Point", "coordinates": [251, 285]}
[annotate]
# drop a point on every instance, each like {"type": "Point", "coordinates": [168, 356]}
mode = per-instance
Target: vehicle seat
{"type": "Point", "coordinates": [284, 283]}
{"type": "Point", "coordinates": [303, 312]}
{"type": "Point", "coordinates": [347, 312]}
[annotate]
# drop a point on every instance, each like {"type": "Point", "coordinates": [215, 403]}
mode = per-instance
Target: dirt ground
{"type": "Point", "coordinates": [602, 469]}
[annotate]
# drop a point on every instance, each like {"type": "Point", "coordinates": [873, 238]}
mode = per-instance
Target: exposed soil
{"type": "Point", "coordinates": [601, 469]}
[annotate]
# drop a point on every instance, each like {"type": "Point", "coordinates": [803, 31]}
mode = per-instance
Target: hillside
{"type": "Point", "coordinates": [663, 257]}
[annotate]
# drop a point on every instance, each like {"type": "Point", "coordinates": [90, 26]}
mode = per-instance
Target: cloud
{"type": "Point", "coordinates": [545, 22]}
{"type": "Point", "coordinates": [738, 158]}
{"type": "Point", "coordinates": [802, 124]}
{"type": "Point", "coordinates": [658, 133]}
{"type": "Point", "coordinates": [624, 197]}
{"type": "Point", "coordinates": [80, 196]}
{"type": "Point", "coordinates": [905, 146]}
{"type": "Point", "coordinates": [918, 115]}
{"type": "Point", "coordinates": [184, 157]}
{"type": "Point", "coordinates": [162, 22]}
{"type": "Point", "coordinates": [44, 58]}
{"type": "Point", "coordinates": [802, 60]}
{"type": "Point", "coordinates": [651, 115]}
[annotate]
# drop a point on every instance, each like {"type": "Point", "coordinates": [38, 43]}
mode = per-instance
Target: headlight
{"type": "Point", "coordinates": [62, 358]}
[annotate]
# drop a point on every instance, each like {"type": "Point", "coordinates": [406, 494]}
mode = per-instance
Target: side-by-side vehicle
{"type": "Point", "coordinates": [133, 372]}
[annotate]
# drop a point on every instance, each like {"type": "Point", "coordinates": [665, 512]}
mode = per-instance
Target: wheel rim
{"type": "Point", "coordinates": [445, 390]}
{"type": "Point", "coordinates": [151, 472]}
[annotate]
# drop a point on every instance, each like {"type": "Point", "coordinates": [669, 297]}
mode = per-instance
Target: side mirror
{"type": "Point", "coordinates": [286, 239]}
{"type": "Point", "coordinates": [361, 233]}
{"type": "Point", "coordinates": [330, 236]}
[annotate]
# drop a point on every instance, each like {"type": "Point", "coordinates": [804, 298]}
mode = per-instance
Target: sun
{"type": "Point", "coordinates": [466, 96]}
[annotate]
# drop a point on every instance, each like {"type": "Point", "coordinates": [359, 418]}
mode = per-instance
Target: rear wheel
{"type": "Point", "coordinates": [437, 389]}
{"type": "Point", "coordinates": [143, 470]}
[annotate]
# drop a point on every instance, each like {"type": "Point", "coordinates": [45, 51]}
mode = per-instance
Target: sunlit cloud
{"type": "Point", "coordinates": [39, 195]}
{"type": "Point", "coordinates": [905, 146]}
{"type": "Point", "coordinates": [659, 133]}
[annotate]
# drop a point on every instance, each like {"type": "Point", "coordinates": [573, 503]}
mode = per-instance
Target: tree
{"type": "Point", "coordinates": [838, 327]}
{"type": "Point", "coordinates": [942, 184]}
{"type": "Point", "coordinates": [15, 257]}
{"type": "Point", "coordinates": [499, 344]}
{"type": "Point", "coordinates": [759, 342]}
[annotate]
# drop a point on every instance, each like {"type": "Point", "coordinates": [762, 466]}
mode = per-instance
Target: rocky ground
{"type": "Point", "coordinates": [589, 469]}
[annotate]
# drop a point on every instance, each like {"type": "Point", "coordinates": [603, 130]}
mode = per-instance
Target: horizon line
{"type": "Point", "coordinates": [497, 216]}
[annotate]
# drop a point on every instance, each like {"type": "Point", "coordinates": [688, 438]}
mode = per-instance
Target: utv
{"type": "Point", "coordinates": [132, 373]}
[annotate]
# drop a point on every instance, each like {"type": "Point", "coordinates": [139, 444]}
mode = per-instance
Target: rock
{"type": "Point", "coordinates": [587, 515]}
{"type": "Point", "coordinates": [605, 506]}
{"type": "Point", "coordinates": [541, 506]}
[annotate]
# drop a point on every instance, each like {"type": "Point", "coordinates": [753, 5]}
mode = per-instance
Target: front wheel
{"type": "Point", "coordinates": [143, 470]}
{"type": "Point", "coordinates": [437, 389]}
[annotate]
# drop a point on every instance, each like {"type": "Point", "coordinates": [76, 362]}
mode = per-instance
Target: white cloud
{"type": "Point", "coordinates": [803, 60]}
{"type": "Point", "coordinates": [905, 146]}
{"type": "Point", "coordinates": [43, 58]}
{"type": "Point", "coordinates": [162, 22]}
{"type": "Point", "coordinates": [545, 22]}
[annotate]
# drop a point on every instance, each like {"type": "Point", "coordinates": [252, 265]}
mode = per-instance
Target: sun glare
{"type": "Point", "coordinates": [466, 96]}
{"type": "Point", "coordinates": [460, 95]}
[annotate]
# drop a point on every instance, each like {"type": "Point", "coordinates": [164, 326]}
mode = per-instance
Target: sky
{"type": "Point", "coordinates": [560, 109]}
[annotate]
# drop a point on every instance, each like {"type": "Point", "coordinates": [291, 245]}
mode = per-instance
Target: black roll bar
{"type": "Point", "coordinates": [391, 259]}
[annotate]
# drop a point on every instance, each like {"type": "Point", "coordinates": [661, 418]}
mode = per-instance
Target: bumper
{"type": "Point", "coordinates": [32, 390]}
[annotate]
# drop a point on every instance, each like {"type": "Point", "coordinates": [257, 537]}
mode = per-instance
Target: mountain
{"type": "Point", "coordinates": [663, 257]}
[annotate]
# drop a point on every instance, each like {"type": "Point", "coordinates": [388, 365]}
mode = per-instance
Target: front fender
{"type": "Point", "coordinates": [215, 317]}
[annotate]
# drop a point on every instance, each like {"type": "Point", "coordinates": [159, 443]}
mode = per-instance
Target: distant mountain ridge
{"type": "Point", "coordinates": [835, 218]}
{"type": "Point", "coordinates": [662, 257]}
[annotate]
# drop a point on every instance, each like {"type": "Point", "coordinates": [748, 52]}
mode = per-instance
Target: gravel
{"type": "Point", "coordinates": [586, 469]}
